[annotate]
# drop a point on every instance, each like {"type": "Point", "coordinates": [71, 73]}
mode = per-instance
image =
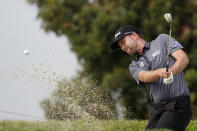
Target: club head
{"type": "Point", "coordinates": [168, 17]}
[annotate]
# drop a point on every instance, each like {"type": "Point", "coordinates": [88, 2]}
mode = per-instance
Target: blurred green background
{"type": "Point", "coordinates": [90, 26]}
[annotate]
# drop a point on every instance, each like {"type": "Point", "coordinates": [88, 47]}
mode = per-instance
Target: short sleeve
{"type": "Point", "coordinates": [164, 39]}
{"type": "Point", "coordinates": [174, 45]}
{"type": "Point", "coordinates": [134, 70]}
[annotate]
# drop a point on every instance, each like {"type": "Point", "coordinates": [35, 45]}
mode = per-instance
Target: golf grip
{"type": "Point", "coordinates": [167, 67]}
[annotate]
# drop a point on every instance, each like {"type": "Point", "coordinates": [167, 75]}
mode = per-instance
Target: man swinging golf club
{"type": "Point", "coordinates": [162, 75]}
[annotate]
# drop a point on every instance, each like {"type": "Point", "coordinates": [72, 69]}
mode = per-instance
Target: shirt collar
{"type": "Point", "coordinates": [146, 46]}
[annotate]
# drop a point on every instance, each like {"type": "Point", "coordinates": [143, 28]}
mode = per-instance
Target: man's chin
{"type": "Point", "coordinates": [131, 54]}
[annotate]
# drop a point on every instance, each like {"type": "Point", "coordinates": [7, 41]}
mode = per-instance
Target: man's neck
{"type": "Point", "coordinates": [141, 44]}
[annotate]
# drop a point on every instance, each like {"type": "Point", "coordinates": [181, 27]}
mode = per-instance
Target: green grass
{"type": "Point", "coordinates": [80, 125]}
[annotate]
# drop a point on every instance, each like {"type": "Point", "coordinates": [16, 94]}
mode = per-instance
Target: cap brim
{"type": "Point", "coordinates": [114, 44]}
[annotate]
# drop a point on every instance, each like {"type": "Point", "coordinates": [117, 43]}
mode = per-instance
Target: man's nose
{"type": "Point", "coordinates": [123, 47]}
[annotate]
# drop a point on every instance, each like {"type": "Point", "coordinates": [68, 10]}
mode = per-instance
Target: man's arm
{"type": "Point", "coordinates": [150, 76]}
{"type": "Point", "coordinates": [181, 62]}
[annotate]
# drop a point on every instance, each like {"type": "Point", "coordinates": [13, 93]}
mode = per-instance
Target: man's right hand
{"type": "Point", "coordinates": [163, 73]}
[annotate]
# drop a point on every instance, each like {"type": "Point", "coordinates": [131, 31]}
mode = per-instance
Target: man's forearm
{"type": "Point", "coordinates": [181, 62]}
{"type": "Point", "coordinates": [148, 76]}
{"type": "Point", "coordinates": [179, 66]}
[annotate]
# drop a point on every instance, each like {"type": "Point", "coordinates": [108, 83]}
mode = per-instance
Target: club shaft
{"type": "Point", "coordinates": [168, 59]}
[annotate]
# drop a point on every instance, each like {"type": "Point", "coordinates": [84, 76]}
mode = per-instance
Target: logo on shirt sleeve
{"type": "Point", "coordinates": [175, 43]}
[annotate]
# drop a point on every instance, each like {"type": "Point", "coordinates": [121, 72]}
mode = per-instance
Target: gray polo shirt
{"type": "Point", "coordinates": [154, 57]}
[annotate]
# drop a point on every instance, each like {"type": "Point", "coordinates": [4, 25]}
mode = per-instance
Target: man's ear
{"type": "Point", "coordinates": [134, 36]}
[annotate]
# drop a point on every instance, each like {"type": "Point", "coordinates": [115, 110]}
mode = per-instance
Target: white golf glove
{"type": "Point", "coordinates": [168, 80]}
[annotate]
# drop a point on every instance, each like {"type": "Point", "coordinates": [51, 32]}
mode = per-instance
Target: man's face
{"type": "Point", "coordinates": [128, 44]}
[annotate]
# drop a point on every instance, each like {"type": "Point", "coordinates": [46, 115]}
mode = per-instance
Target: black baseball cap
{"type": "Point", "coordinates": [121, 32]}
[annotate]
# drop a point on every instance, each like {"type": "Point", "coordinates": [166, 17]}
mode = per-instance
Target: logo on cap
{"type": "Point", "coordinates": [126, 33]}
{"type": "Point", "coordinates": [117, 34]}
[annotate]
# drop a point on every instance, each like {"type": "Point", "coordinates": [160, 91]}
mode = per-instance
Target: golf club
{"type": "Point", "coordinates": [168, 80]}
{"type": "Point", "coordinates": [168, 18]}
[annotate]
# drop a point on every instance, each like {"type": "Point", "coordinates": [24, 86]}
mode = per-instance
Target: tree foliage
{"type": "Point", "coordinates": [90, 26]}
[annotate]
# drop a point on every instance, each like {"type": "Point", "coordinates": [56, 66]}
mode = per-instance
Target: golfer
{"type": "Point", "coordinates": [171, 102]}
